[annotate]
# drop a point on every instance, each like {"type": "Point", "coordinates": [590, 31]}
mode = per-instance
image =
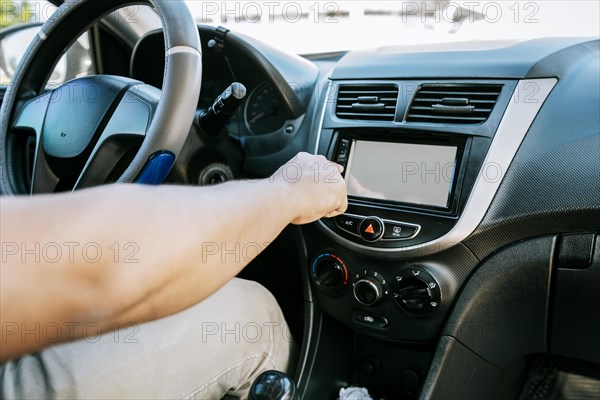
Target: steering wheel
{"type": "Point", "coordinates": [97, 129]}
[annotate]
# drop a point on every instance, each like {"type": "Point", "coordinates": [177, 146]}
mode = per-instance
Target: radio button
{"type": "Point", "coordinates": [342, 155]}
{"type": "Point", "coordinates": [344, 147]}
{"type": "Point", "coordinates": [399, 231]}
{"type": "Point", "coordinates": [371, 229]}
{"type": "Point", "coordinates": [348, 223]}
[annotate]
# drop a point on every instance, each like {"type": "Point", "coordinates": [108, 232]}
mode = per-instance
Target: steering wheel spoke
{"type": "Point", "coordinates": [64, 144]}
{"type": "Point", "coordinates": [29, 122]}
{"type": "Point", "coordinates": [122, 136]}
{"type": "Point", "coordinates": [98, 129]}
{"type": "Point", "coordinates": [43, 179]}
{"type": "Point", "coordinates": [32, 114]}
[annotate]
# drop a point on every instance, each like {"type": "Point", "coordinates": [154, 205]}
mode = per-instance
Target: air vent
{"type": "Point", "coordinates": [453, 104]}
{"type": "Point", "coordinates": [367, 102]}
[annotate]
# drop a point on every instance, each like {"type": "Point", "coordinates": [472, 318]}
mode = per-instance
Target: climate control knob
{"type": "Point", "coordinates": [368, 291]}
{"type": "Point", "coordinates": [416, 291]}
{"type": "Point", "coordinates": [329, 273]}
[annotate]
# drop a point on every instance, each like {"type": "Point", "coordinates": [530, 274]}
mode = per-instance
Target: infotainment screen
{"type": "Point", "coordinates": [419, 174]}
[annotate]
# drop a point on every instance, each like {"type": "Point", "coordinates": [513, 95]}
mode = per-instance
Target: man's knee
{"type": "Point", "coordinates": [251, 314]}
{"type": "Point", "coordinates": [249, 324]}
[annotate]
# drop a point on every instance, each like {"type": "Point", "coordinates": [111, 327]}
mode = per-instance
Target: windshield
{"type": "Point", "coordinates": [306, 27]}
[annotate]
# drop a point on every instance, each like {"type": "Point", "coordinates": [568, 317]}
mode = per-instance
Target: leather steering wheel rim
{"type": "Point", "coordinates": [174, 113]}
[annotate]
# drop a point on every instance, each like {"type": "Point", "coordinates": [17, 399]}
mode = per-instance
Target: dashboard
{"type": "Point", "coordinates": [459, 160]}
{"type": "Point", "coordinates": [261, 112]}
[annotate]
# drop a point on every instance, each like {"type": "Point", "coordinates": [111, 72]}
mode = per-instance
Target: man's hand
{"type": "Point", "coordinates": [316, 187]}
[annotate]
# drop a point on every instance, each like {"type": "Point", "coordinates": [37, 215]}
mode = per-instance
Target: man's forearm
{"type": "Point", "coordinates": [189, 241]}
{"type": "Point", "coordinates": [222, 233]}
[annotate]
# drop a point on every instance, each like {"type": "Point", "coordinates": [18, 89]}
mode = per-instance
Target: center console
{"type": "Point", "coordinates": [391, 266]}
{"type": "Point", "coordinates": [406, 188]}
{"type": "Point", "coordinates": [423, 161]}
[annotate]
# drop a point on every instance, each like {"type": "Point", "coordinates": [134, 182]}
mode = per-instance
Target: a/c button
{"type": "Point", "coordinates": [349, 223]}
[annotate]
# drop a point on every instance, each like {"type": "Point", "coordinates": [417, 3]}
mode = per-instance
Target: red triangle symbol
{"type": "Point", "coordinates": [370, 229]}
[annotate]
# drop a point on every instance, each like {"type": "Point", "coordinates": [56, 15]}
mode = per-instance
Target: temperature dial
{"type": "Point", "coordinates": [329, 273]}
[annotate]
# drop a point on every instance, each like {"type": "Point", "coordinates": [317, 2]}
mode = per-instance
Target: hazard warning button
{"type": "Point", "coordinates": [371, 229]}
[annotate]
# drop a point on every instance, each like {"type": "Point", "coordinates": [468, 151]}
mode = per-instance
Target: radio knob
{"type": "Point", "coordinates": [368, 291]}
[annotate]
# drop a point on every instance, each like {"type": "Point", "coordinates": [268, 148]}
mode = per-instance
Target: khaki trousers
{"type": "Point", "coordinates": [214, 349]}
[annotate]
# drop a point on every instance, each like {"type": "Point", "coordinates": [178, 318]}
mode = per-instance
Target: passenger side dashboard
{"type": "Point", "coordinates": [526, 178]}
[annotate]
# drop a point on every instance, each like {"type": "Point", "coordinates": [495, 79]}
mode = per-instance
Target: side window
{"type": "Point", "coordinates": [20, 21]}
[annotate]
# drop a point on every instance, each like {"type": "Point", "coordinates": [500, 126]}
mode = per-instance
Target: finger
{"type": "Point", "coordinates": [343, 206]}
{"type": "Point", "coordinates": [340, 209]}
{"type": "Point", "coordinates": [337, 166]}
{"type": "Point", "coordinates": [332, 214]}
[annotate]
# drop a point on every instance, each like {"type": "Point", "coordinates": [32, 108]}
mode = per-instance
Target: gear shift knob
{"type": "Point", "coordinates": [273, 385]}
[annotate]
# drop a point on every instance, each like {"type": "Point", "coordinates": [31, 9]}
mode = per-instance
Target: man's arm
{"type": "Point", "coordinates": [132, 253]}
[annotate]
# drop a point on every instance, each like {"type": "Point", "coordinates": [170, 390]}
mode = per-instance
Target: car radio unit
{"type": "Point", "coordinates": [404, 187]}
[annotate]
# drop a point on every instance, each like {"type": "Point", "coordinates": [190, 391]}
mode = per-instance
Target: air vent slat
{"type": "Point", "coordinates": [438, 100]}
{"type": "Point", "coordinates": [445, 117]}
{"type": "Point", "coordinates": [423, 108]}
{"type": "Point", "coordinates": [353, 99]}
{"type": "Point", "coordinates": [453, 103]}
{"type": "Point", "coordinates": [356, 114]}
{"type": "Point", "coordinates": [475, 101]}
{"type": "Point", "coordinates": [349, 107]}
{"type": "Point", "coordinates": [367, 102]}
{"type": "Point", "coordinates": [458, 93]}
{"type": "Point", "coordinates": [372, 92]}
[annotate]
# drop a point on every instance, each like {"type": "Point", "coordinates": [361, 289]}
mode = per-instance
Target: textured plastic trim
{"type": "Point", "coordinates": [525, 103]}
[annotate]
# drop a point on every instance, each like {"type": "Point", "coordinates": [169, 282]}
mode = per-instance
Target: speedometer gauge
{"type": "Point", "coordinates": [209, 93]}
{"type": "Point", "coordinates": [263, 113]}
